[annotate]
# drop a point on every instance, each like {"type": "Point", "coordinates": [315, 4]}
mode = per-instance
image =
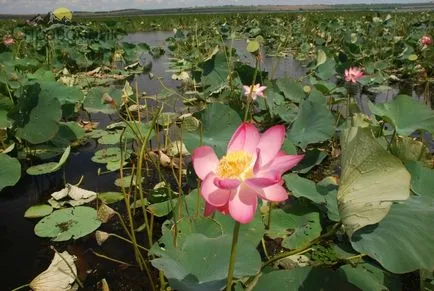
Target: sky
{"type": "Point", "coordinates": [44, 6]}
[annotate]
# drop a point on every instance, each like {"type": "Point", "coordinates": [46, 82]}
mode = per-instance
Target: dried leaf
{"type": "Point", "coordinates": [59, 276]}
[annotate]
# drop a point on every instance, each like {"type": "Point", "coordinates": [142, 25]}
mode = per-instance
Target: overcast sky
{"type": "Point", "coordinates": [42, 6]}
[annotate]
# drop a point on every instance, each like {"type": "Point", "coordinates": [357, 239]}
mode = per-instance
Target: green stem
{"type": "Point", "coordinates": [233, 256]}
{"type": "Point", "coordinates": [270, 207]}
{"type": "Point", "coordinates": [128, 241]}
{"type": "Point", "coordinates": [110, 259]}
{"type": "Point", "coordinates": [301, 249]}
{"type": "Point", "coordinates": [21, 287]}
{"type": "Point", "coordinates": [249, 98]}
{"type": "Point", "coordinates": [391, 140]}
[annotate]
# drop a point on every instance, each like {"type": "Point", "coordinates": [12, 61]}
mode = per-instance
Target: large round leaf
{"type": "Point", "coordinates": [296, 226]}
{"type": "Point", "coordinates": [219, 122]}
{"type": "Point", "coordinates": [291, 89]}
{"type": "Point", "coordinates": [64, 94]}
{"type": "Point", "coordinates": [422, 179]}
{"type": "Point", "coordinates": [402, 241]}
{"type": "Point", "coordinates": [371, 180]}
{"type": "Point", "coordinates": [37, 116]}
{"type": "Point", "coordinates": [369, 277]}
{"type": "Point", "coordinates": [314, 123]}
{"type": "Point", "coordinates": [10, 171]}
{"type": "Point", "coordinates": [406, 114]}
{"type": "Point", "coordinates": [64, 224]}
{"type": "Point", "coordinates": [202, 263]}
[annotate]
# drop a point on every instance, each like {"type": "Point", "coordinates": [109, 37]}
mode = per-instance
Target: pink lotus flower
{"type": "Point", "coordinates": [353, 74]}
{"type": "Point", "coordinates": [252, 168]}
{"type": "Point", "coordinates": [426, 40]}
{"type": "Point", "coordinates": [8, 40]}
{"type": "Point", "coordinates": [254, 91]}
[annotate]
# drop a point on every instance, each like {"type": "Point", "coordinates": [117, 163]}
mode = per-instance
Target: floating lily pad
{"type": "Point", "coordinates": [51, 167]}
{"type": "Point", "coordinates": [37, 211]}
{"type": "Point", "coordinates": [69, 223]}
{"type": "Point", "coordinates": [110, 197]}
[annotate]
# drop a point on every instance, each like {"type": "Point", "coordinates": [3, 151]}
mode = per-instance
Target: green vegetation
{"type": "Point", "coordinates": [358, 173]}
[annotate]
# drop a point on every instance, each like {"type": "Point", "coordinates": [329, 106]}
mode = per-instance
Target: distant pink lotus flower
{"type": "Point", "coordinates": [353, 74]}
{"type": "Point", "coordinates": [256, 90]}
{"type": "Point", "coordinates": [8, 40]}
{"type": "Point", "coordinates": [252, 168]}
{"type": "Point", "coordinates": [426, 40]}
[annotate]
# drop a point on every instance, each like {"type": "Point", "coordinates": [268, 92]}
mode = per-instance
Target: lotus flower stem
{"type": "Point", "coordinates": [233, 256]}
{"type": "Point", "coordinates": [270, 207]}
{"type": "Point", "coordinates": [110, 259]}
{"type": "Point", "coordinates": [249, 98]}
{"type": "Point", "coordinates": [21, 287]}
{"type": "Point", "coordinates": [128, 241]}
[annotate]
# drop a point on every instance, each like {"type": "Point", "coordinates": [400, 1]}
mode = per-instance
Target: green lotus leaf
{"type": "Point", "coordinates": [110, 197]}
{"type": "Point", "coordinates": [215, 134]}
{"type": "Point", "coordinates": [64, 94]}
{"type": "Point", "coordinates": [296, 225]}
{"type": "Point", "coordinates": [126, 181]}
{"type": "Point", "coordinates": [311, 159]}
{"type": "Point", "coordinates": [97, 133]}
{"type": "Point", "coordinates": [372, 179]}
{"type": "Point", "coordinates": [405, 114]}
{"type": "Point", "coordinates": [68, 133]}
{"type": "Point", "coordinates": [51, 167]}
{"type": "Point", "coordinates": [36, 115]}
{"type": "Point", "coordinates": [68, 223]}
{"type": "Point", "coordinates": [111, 157]}
{"type": "Point", "coordinates": [37, 211]}
{"type": "Point", "coordinates": [369, 277]}
{"type": "Point", "coordinates": [10, 171]}
{"type": "Point", "coordinates": [215, 74]}
{"type": "Point", "coordinates": [291, 89]}
{"type": "Point", "coordinates": [306, 129]}
{"type": "Point", "coordinates": [94, 101]}
{"type": "Point", "coordinates": [111, 138]}
{"type": "Point", "coordinates": [201, 262]}
{"type": "Point", "coordinates": [422, 179]}
{"type": "Point", "coordinates": [5, 106]}
{"type": "Point", "coordinates": [402, 241]}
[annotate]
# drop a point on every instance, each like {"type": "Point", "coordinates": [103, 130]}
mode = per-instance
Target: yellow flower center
{"type": "Point", "coordinates": [236, 165]}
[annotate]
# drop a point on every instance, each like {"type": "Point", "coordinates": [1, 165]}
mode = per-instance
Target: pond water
{"type": "Point", "coordinates": [24, 255]}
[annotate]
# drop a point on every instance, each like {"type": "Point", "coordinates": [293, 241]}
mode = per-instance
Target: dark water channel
{"type": "Point", "coordinates": [24, 255]}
